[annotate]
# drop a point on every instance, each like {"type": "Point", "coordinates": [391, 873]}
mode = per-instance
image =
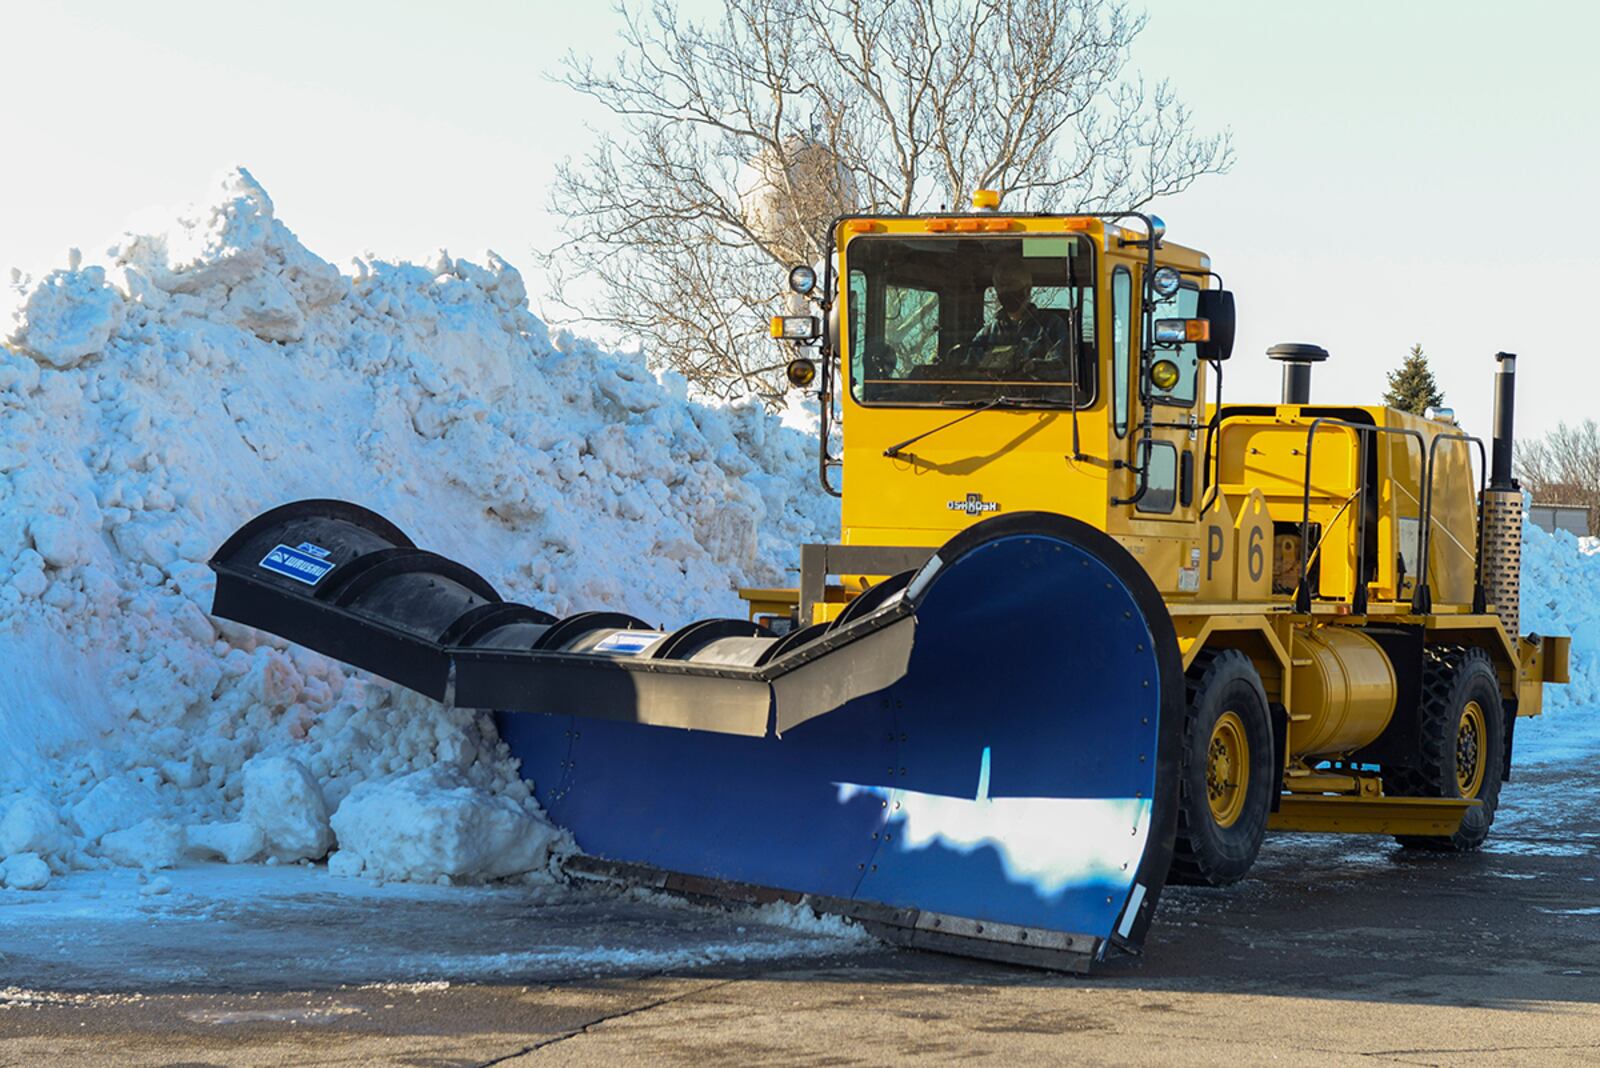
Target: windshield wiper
{"type": "Point", "coordinates": [893, 451]}
{"type": "Point", "coordinates": [1030, 402]}
{"type": "Point", "coordinates": [997, 402]}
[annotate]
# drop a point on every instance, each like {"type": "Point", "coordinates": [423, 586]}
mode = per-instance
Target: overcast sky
{"type": "Point", "coordinates": [1406, 172]}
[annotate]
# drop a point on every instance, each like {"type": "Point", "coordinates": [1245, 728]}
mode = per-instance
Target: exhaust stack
{"type": "Point", "coordinates": [1502, 506]}
{"type": "Point", "coordinates": [1297, 360]}
{"type": "Point", "coordinates": [1505, 394]}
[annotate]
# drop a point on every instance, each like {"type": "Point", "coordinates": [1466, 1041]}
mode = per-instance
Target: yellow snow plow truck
{"type": "Point", "coordinates": [1088, 629]}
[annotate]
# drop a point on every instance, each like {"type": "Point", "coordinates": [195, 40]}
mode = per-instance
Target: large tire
{"type": "Point", "coordinates": [1463, 750]}
{"type": "Point", "coordinates": [1221, 818]}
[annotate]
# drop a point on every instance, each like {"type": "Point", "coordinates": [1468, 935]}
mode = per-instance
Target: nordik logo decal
{"type": "Point", "coordinates": [974, 505]}
{"type": "Point", "coordinates": [306, 564]}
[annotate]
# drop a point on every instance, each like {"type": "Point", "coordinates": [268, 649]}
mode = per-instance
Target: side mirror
{"type": "Point", "coordinates": [1216, 307]}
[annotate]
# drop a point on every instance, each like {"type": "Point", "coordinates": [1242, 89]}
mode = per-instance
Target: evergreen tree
{"type": "Point", "coordinates": [1411, 385]}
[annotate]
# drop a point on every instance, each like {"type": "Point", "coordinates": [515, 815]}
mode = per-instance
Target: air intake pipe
{"type": "Point", "coordinates": [1297, 360]}
{"type": "Point", "coordinates": [1502, 506]}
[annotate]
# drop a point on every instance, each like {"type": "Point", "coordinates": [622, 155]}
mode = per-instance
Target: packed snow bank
{"type": "Point", "coordinates": [1561, 595]}
{"type": "Point", "coordinates": [150, 405]}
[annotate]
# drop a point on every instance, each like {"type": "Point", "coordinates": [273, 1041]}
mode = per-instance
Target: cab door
{"type": "Point", "coordinates": [1159, 528]}
{"type": "Point", "coordinates": [1176, 409]}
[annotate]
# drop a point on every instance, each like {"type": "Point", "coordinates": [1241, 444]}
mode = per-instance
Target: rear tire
{"type": "Point", "coordinates": [1227, 779]}
{"type": "Point", "coordinates": [1463, 749]}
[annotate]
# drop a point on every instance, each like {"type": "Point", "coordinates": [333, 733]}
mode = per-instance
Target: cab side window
{"type": "Point", "coordinates": [1160, 459]}
{"type": "Point", "coordinates": [1121, 346]}
{"type": "Point", "coordinates": [1181, 305]}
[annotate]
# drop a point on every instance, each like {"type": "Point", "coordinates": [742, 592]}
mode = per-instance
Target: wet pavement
{"type": "Point", "coordinates": [1343, 949]}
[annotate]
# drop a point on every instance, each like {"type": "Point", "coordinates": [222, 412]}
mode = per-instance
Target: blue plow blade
{"type": "Point", "coordinates": [978, 757]}
{"type": "Point", "coordinates": [1012, 794]}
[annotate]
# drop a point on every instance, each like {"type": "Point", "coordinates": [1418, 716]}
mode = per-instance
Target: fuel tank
{"type": "Point", "coordinates": [1342, 692]}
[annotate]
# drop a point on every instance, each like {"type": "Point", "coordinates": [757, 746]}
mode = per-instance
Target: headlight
{"type": "Point", "coordinates": [1179, 331]}
{"type": "Point", "coordinates": [802, 279]}
{"type": "Point", "coordinates": [1166, 281]}
{"type": "Point", "coordinates": [801, 372]}
{"type": "Point", "coordinates": [1164, 374]}
{"type": "Point", "coordinates": [795, 327]}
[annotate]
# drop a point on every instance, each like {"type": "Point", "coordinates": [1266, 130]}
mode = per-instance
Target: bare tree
{"type": "Point", "coordinates": [1563, 467]}
{"type": "Point", "coordinates": [737, 142]}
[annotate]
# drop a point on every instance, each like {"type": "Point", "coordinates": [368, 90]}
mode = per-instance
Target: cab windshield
{"type": "Point", "coordinates": [962, 321]}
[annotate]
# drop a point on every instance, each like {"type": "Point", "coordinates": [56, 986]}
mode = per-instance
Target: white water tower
{"type": "Point", "coordinates": [791, 193]}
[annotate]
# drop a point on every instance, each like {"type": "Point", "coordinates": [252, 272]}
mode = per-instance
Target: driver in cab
{"type": "Point", "coordinates": [1022, 339]}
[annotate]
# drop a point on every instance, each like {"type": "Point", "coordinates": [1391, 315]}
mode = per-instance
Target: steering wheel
{"type": "Point", "coordinates": [958, 355]}
{"type": "Point", "coordinates": [879, 359]}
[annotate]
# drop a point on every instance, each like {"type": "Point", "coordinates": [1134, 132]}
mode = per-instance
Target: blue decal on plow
{"type": "Point", "coordinates": [298, 565]}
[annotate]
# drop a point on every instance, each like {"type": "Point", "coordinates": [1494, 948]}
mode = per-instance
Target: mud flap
{"type": "Point", "coordinates": [1008, 785]}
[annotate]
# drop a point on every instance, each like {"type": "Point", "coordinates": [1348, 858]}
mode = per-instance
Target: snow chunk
{"type": "Point", "coordinates": [114, 805]}
{"type": "Point", "coordinates": [32, 825]}
{"type": "Point", "coordinates": [59, 542]}
{"type": "Point", "coordinates": [345, 864]}
{"type": "Point", "coordinates": [235, 843]}
{"type": "Point", "coordinates": [266, 308]}
{"type": "Point", "coordinates": [427, 824]}
{"type": "Point", "coordinates": [25, 871]}
{"type": "Point", "coordinates": [67, 316]}
{"type": "Point", "coordinates": [282, 798]}
{"type": "Point", "coordinates": [149, 845]}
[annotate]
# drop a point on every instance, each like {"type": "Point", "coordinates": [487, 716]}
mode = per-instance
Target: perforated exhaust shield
{"type": "Point", "coordinates": [985, 762]}
{"type": "Point", "coordinates": [1502, 556]}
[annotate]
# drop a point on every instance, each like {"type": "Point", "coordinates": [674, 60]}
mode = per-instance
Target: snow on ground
{"type": "Point", "coordinates": [151, 404]}
{"type": "Point", "coordinates": [296, 926]}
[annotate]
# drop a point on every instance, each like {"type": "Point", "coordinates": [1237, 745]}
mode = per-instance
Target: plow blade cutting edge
{"type": "Point", "coordinates": [979, 757]}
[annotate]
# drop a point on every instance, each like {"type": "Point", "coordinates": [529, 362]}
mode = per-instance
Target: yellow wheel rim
{"type": "Point", "coordinates": [1227, 769]}
{"type": "Point", "coordinates": [1471, 751]}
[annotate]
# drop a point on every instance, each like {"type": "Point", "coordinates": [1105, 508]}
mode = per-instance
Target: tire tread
{"type": "Point", "coordinates": [1190, 863]}
{"type": "Point", "coordinates": [1443, 669]}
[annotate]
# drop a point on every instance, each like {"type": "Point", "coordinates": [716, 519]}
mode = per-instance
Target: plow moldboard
{"type": "Point", "coordinates": [1010, 777]}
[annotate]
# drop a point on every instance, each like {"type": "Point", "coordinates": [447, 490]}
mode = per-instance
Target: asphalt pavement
{"type": "Point", "coordinates": [1344, 950]}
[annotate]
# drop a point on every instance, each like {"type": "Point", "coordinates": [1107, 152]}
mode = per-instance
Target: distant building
{"type": "Point", "coordinates": [1573, 518]}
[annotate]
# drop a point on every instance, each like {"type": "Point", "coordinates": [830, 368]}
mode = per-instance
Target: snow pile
{"type": "Point", "coordinates": [150, 406]}
{"type": "Point", "coordinates": [1561, 595]}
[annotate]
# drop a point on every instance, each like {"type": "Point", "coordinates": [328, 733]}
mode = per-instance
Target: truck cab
{"type": "Point", "coordinates": [956, 406]}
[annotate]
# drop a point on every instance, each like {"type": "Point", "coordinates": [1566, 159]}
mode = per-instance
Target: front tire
{"type": "Point", "coordinates": [1227, 779]}
{"type": "Point", "coordinates": [1463, 750]}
